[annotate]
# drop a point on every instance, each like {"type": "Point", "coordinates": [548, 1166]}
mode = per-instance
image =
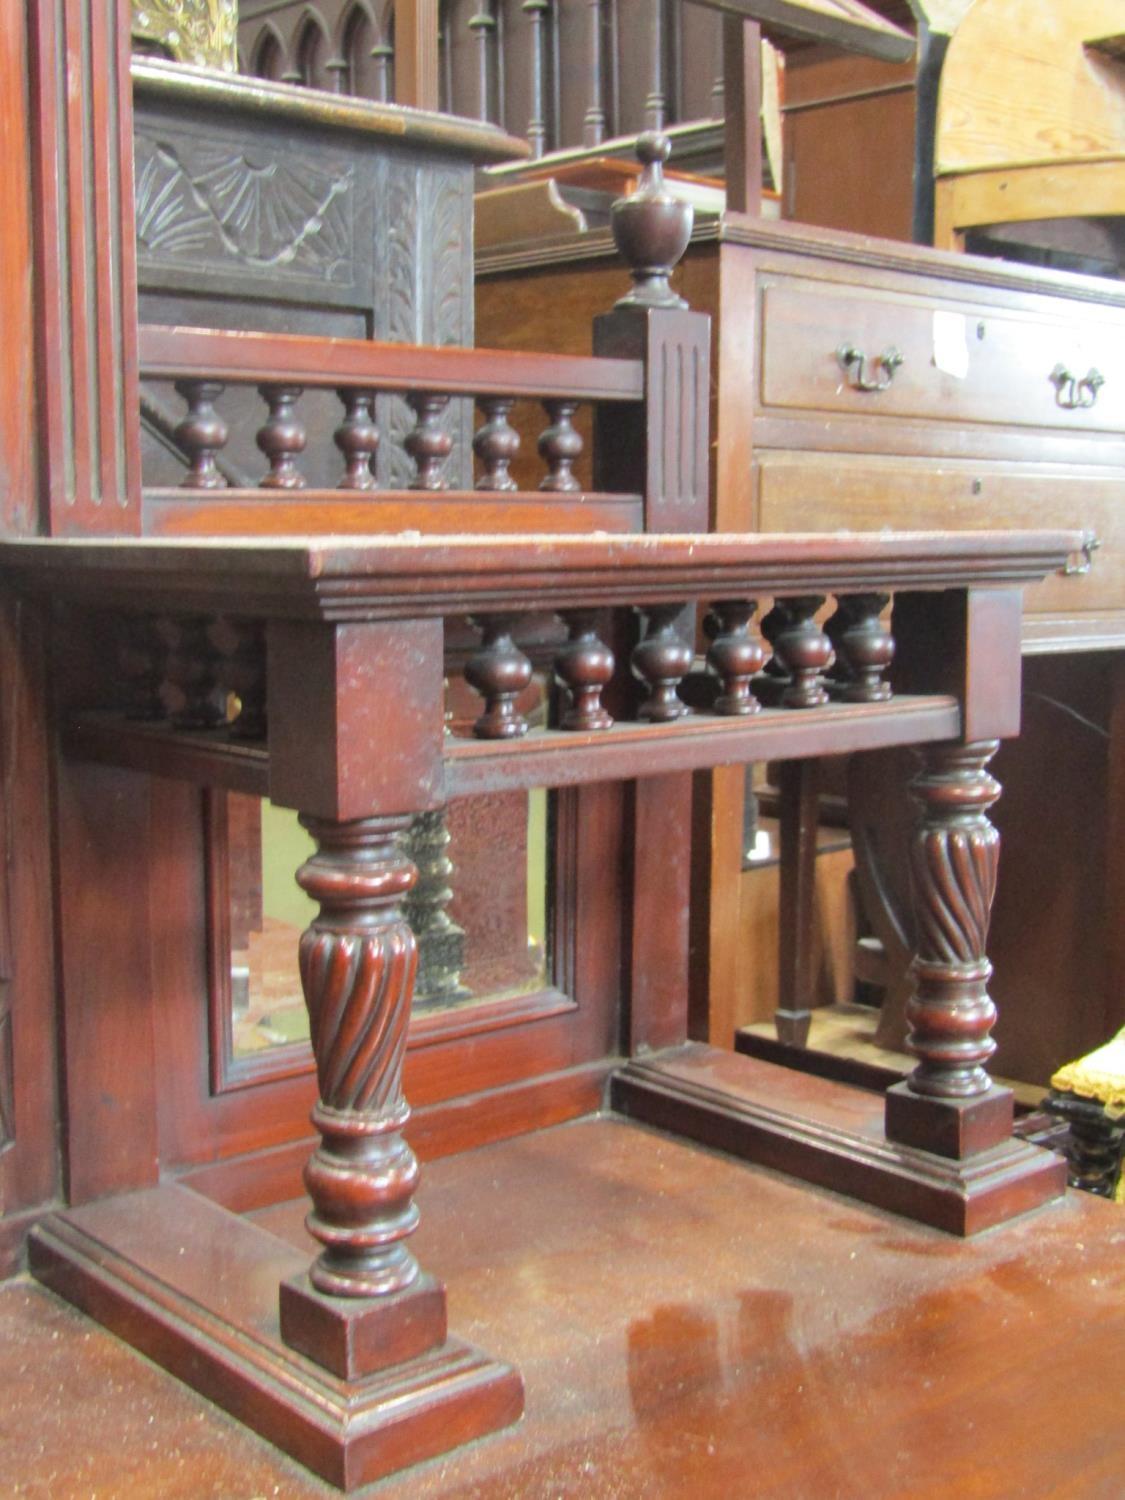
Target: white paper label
{"type": "Point", "coordinates": [951, 343]}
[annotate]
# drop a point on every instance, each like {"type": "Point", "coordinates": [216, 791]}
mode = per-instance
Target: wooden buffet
{"type": "Point", "coordinates": [340, 675]}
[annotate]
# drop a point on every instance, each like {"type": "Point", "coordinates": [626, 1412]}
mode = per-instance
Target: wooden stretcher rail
{"type": "Point", "coordinates": [174, 353]}
{"type": "Point", "coordinates": [545, 758]}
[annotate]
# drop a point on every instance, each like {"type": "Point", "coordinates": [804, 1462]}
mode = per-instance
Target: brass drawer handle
{"type": "Point", "coordinates": [1090, 544]}
{"type": "Point", "coordinates": [1073, 394]}
{"type": "Point", "coordinates": [853, 359]}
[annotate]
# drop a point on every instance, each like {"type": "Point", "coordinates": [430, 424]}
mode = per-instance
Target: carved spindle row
{"type": "Point", "coordinates": [187, 669]}
{"type": "Point", "coordinates": [793, 677]}
{"type": "Point", "coordinates": [281, 438]}
{"type": "Point", "coordinates": [142, 655]}
{"type": "Point", "coordinates": [191, 690]}
{"type": "Point", "coordinates": [240, 667]}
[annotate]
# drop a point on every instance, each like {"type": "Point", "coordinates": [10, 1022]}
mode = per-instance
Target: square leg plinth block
{"type": "Point", "coordinates": [144, 1264]}
{"type": "Point", "coordinates": [955, 1128]}
{"type": "Point", "coordinates": [356, 1336]}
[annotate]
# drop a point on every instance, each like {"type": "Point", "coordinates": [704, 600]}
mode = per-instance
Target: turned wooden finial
{"type": "Point", "coordinates": [651, 228]}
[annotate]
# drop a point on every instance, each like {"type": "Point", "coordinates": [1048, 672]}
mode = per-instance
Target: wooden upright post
{"type": "Point", "coordinates": [85, 262]}
{"type": "Point", "coordinates": [416, 53]}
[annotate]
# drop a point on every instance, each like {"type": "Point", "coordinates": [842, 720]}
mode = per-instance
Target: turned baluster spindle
{"type": "Point", "coordinates": [240, 665]}
{"type": "Point", "coordinates": [536, 12]}
{"type": "Point", "coordinates": [427, 442]}
{"type": "Point", "coordinates": [803, 650]}
{"type": "Point", "coordinates": [281, 438]}
{"type": "Point", "coordinates": [195, 698]}
{"type": "Point", "coordinates": [357, 438]}
{"type": "Point", "coordinates": [661, 660]}
{"type": "Point", "coordinates": [483, 26]}
{"type": "Point", "coordinates": [734, 655]}
{"type": "Point", "coordinates": [382, 58]}
{"type": "Point", "coordinates": [357, 962]}
{"type": "Point", "coordinates": [656, 101]}
{"type": "Point", "coordinates": [864, 647]}
{"type": "Point", "coordinates": [953, 861]}
{"type": "Point", "coordinates": [584, 666]}
{"type": "Point", "coordinates": [141, 658]}
{"type": "Point", "coordinates": [593, 121]}
{"type": "Point", "coordinates": [201, 434]}
{"type": "Point", "coordinates": [560, 446]}
{"type": "Point", "coordinates": [496, 444]}
{"type": "Point", "coordinates": [499, 671]}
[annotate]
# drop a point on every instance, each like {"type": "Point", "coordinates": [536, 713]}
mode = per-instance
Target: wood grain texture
{"type": "Point", "coordinates": [831, 1135]}
{"type": "Point", "coordinates": [86, 268]}
{"type": "Point", "coordinates": [814, 1343]}
{"type": "Point", "coordinates": [18, 481]}
{"type": "Point", "coordinates": [1070, 101]}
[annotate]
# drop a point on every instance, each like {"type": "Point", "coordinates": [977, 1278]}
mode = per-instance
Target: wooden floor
{"type": "Point", "coordinates": [686, 1326]}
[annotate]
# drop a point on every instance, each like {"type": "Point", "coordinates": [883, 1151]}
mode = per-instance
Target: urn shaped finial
{"type": "Point", "coordinates": [652, 228]}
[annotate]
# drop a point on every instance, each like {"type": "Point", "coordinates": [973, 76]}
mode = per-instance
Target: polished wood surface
{"type": "Point", "coordinates": [805, 1370]}
{"type": "Point", "coordinates": [880, 456]}
{"type": "Point", "coordinates": [353, 650]}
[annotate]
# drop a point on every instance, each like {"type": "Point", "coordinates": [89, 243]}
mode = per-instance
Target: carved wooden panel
{"type": "Point", "coordinates": [305, 223]}
{"type": "Point", "coordinates": [210, 202]}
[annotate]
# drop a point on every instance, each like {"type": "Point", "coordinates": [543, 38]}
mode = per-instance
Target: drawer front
{"type": "Point", "coordinates": [961, 361]}
{"type": "Point", "coordinates": [833, 492]}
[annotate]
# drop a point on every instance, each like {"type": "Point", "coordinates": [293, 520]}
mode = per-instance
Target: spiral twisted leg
{"type": "Point", "coordinates": [358, 961]}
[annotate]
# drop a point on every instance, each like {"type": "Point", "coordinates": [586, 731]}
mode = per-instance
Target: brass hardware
{"type": "Point", "coordinates": [1073, 394]}
{"type": "Point", "coordinates": [1090, 544]}
{"type": "Point", "coordinates": [852, 358]}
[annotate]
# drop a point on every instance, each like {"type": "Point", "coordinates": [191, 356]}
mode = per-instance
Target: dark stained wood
{"type": "Point", "coordinates": [85, 348]}
{"type": "Point", "coordinates": [29, 1094]}
{"type": "Point", "coordinates": [182, 353]}
{"type": "Point", "coordinates": [238, 512]}
{"type": "Point", "coordinates": [734, 655]}
{"type": "Point", "coordinates": [548, 757]}
{"type": "Point", "coordinates": [799, 786]}
{"type": "Point", "coordinates": [500, 672]}
{"type": "Point", "coordinates": [815, 1343]}
{"type": "Point", "coordinates": [742, 104]}
{"type": "Point", "coordinates": [104, 849]}
{"type": "Point", "coordinates": [221, 1332]}
{"type": "Point", "coordinates": [832, 1135]}
{"type": "Point", "coordinates": [661, 659]}
{"type": "Point", "coordinates": [584, 665]}
{"type": "Point", "coordinates": [659, 950]}
{"type": "Point", "coordinates": [19, 500]}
